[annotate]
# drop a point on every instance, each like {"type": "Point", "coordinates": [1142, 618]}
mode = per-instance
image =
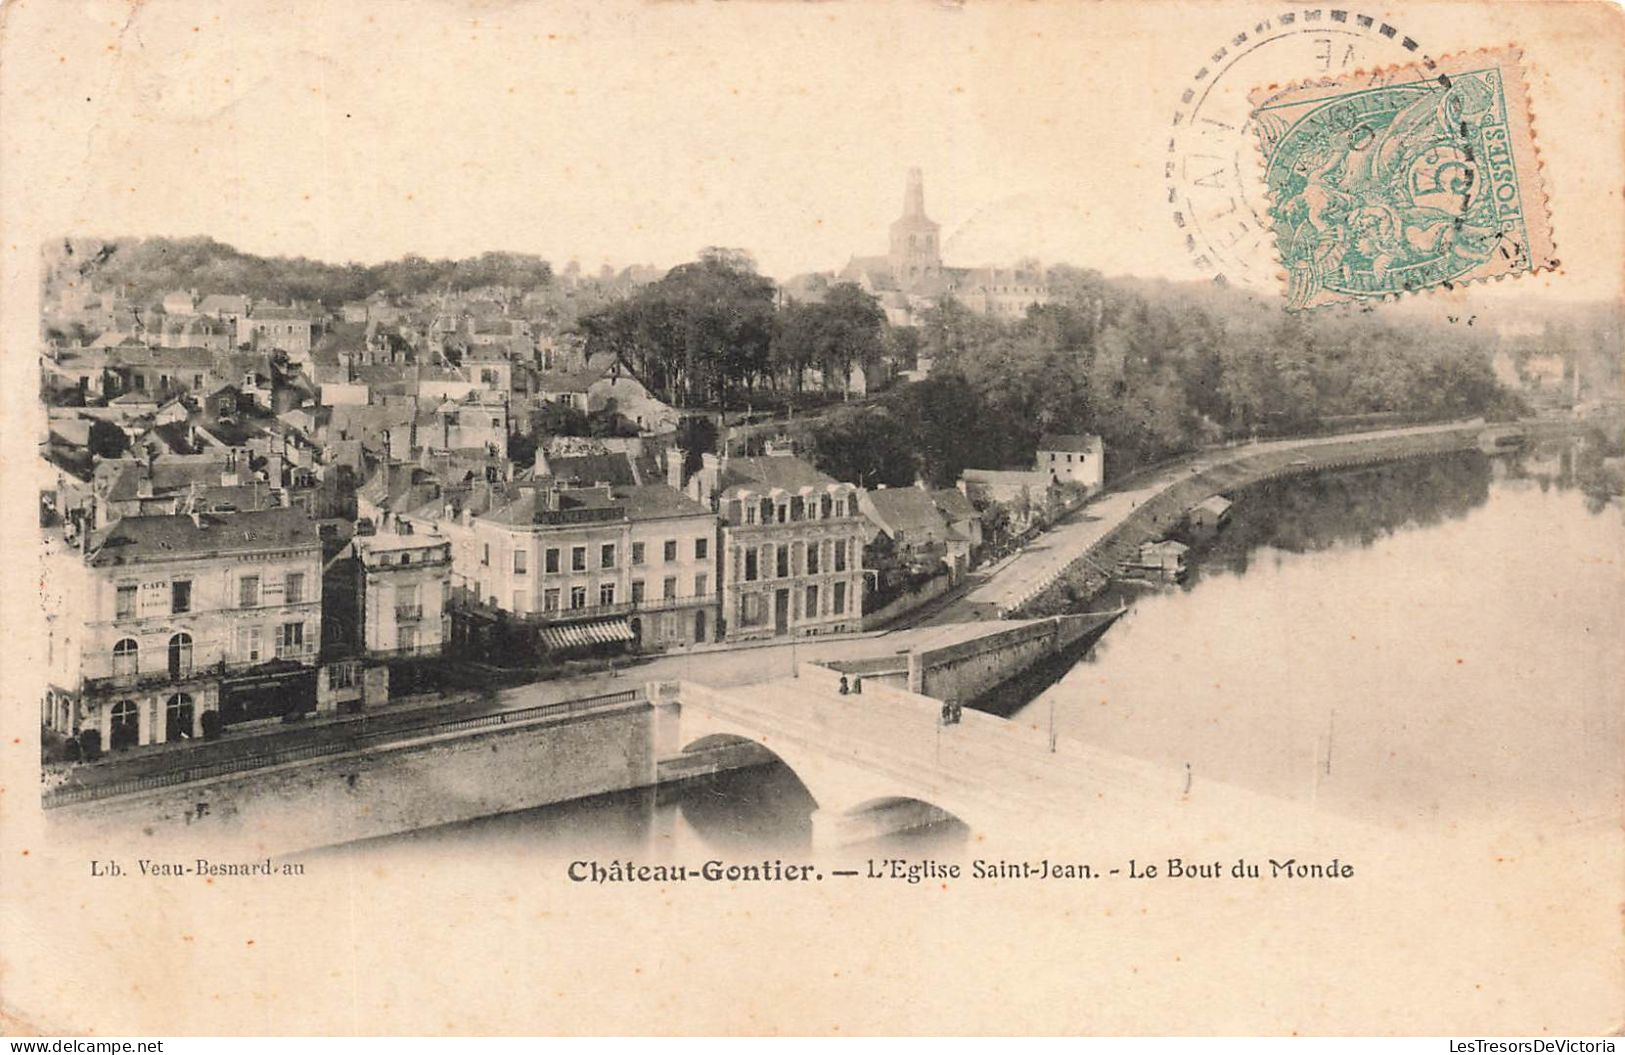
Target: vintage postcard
{"type": "Point", "coordinates": [842, 518]}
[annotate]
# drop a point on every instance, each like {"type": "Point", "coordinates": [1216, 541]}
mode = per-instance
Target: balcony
{"type": "Point", "coordinates": [408, 613]}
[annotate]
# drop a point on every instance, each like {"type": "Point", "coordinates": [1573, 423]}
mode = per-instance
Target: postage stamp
{"type": "Point", "coordinates": [1403, 180]}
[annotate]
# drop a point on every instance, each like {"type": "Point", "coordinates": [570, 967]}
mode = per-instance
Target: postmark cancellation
{"type": "Point", "coordinates": [1402, 180]}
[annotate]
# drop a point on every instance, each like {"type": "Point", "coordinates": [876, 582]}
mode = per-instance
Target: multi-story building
{"type": "Point", "coordinates": [268, 327]}
{"type": "Point", "coordinates": [1073, 459]}
{"type": "Point", "coordinates": [589, 565]}
{"type": "Point", "coordinates": [159, 620]}
{"type": "Point", "coordinates": [792, 546]}
{"type": "Point", "coordinates": [405, 590]}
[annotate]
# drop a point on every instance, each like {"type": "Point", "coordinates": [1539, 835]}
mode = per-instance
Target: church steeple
{"type": "Point", "coordinates": [915, 261]}
{"type": "Point", "coordinates": [914, 196]}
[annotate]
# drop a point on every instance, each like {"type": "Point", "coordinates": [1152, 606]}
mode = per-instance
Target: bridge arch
{"type": "Point", "coordinates": [853, 801]}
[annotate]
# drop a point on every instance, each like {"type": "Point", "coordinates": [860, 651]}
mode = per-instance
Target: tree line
{"type": "Point", "coordinates": [147, 268]}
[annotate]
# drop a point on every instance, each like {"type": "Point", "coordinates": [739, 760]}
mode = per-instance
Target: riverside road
{"type": "Point", "coordinates": [1014, 581]}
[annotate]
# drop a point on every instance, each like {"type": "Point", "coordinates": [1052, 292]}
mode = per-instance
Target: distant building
{"type": "Point", "coordinates": [405, 593]}
{"type": "Point", "coordinates": [1073, 459]}
{"type": "Point", "coordinates": [1025, 495]}
{"type": "Point", "coordinates": [160, 620]}
{"type": "Point", "coordinates": [268, 327]}
{"type": "Point", "coordinates": [1211, 513]}
{"type": "Point", "coordinates": [914, 522]}
{"type": "Point", "coordinates": [912, 277]}
{"type": "Point", "coordinates": [792, 546]}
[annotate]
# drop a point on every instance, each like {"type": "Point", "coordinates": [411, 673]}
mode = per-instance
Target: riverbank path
{"type": "Point", "coordinates": [1015, 580]}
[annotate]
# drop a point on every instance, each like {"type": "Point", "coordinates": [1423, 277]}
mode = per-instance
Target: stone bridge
{"type": "Point", "coordinates": [885, 761]}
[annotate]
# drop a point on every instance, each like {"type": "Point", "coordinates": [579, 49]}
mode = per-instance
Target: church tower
{"type": "Point", "coordinates": [916, 262]}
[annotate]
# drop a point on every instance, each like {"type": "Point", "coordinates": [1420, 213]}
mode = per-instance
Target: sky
{"type": "Point", "coordinates": [628, 133]}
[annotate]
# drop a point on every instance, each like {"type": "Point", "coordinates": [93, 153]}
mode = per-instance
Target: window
{"type": "Point", "coordinates": [248, 591]}
{"type": "Point", "coordinates": [668, 588]}
{"type": "Point", "coordinates": [750, 514]}
{"type": "Point", "coordinates": [578, 597]}
{"type": "Point", "coordinates": [824, 507]}
{"type": "Point", "coordinates": [813, 550]}
{"type": "Point", "coordinates": [180, 655]}
{"type": "Point", "coordinates": [606, 593]}
{"type": "Point", "coordinates": [293, 590]}
{"type": "Point", "coordinates": [606, 556]}
{"type": "Point", "coordinates": [552, 561]}
{"type": "Point", "coordinates": [782, 564]}
{"type": "Point", "coordinates": [812, 603]}
{"type": "Point", "coordinates": [341, 676]}
{"type": "Point", "coordinates": [840, 554]}
{"type": "Point", "coordinates": [126, 729]}
{"type": "Point", "coordinates": [248, 644]}
{"type": "Point", "coordinates": [485, 554]}
{"type": "Point", "coordinates": [290, 640]}
{"type": "Point", "coordinates": [180, 596]}
{"type": "Point", "coordinates": [700, 583]}
{"type": "Point", "coordinates": [852, 505]}
{"type": "Point", "coordinates": [670, 550]}
{"type": "Point", "coordinates": [750, 612]}
{"type": "Point", "coordinates": [519, 600]}
{"type": "Point", "coordinates": [750, 565]}
{"type": "Point", "coordinates": [125, 656]}
{"type": "Point", "coordinates": [519, 567]}
{"type": "Point", "coordinates": [125, 607]}
{"type": "Point", "coordinates": [637, 591]}
{"type": "Point", "coordinates": [781, 514]}
{"type": "Point", "coordinates": [838, 600]}
{"type": "Point", "coordinates": [550, 600]}
{"type": "Point", "coordinates": [407, 639]}
{"type": "Point", "coordinates": [178, 717]}
{"type": "Point", "coordinates": [578, 558]}
{"type": "Point", "coordinates": [702, 548]}
{"type": "Point", "coordinates": [637, 553]}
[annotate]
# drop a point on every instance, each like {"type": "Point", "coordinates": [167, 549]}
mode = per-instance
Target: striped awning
{"type": "Point", "coordinates": [585, 635]}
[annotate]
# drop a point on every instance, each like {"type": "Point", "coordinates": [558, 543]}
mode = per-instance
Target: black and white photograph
{"type": "Point", "coordinates": [845, 518]}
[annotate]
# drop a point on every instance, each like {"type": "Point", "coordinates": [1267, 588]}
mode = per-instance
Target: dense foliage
{"type": "Point", "coordinates": [1154, 368]}
{"type": "Point", "coordinates": [147, 268]}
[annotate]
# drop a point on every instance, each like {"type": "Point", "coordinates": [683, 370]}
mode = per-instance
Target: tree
{"type": "Point", "coordinates": [698, 337]}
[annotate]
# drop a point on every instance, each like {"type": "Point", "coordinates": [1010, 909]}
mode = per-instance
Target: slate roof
{"type": "Point", "coordinates": [766, 473]}
{"type": "Point", "coordinates": [177, 537]}
{"type": "Point", "coordinates": [905, 509]}
{"type": "Point", "coordinates": [1086, 442]}
{"type": "Point", "coordinates": [658, 502]}
{"type": "Point", "coordinates": [613, 469]}
{"type": "Point", "coordinates": [954, 504]}
{"type": "Point", "coordinates": [535, 505]}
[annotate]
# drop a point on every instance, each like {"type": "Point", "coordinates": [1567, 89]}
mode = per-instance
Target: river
{"type": "Point", "coordinates": [1428, 640]}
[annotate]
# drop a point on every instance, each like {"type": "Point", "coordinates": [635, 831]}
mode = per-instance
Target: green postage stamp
{"type": "Point", "coordinates": [1405, 179]}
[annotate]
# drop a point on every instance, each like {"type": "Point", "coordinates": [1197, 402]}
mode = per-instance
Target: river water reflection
{"type": "Point", "coordinates": [1436, 639]}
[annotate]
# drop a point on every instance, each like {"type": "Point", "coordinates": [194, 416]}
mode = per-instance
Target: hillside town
{"type": "Point", "coordinates": [264, 509]}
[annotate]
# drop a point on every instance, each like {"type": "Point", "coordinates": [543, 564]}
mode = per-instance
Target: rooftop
{"type": "Point", "coordinates": [657, 502]}
{"type": "Point", "coordinates": [132, 539]}
{"type": "Point", "coordinates": [1084, 442]}
{"type": "Point", "coordinates": [766, 473]}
